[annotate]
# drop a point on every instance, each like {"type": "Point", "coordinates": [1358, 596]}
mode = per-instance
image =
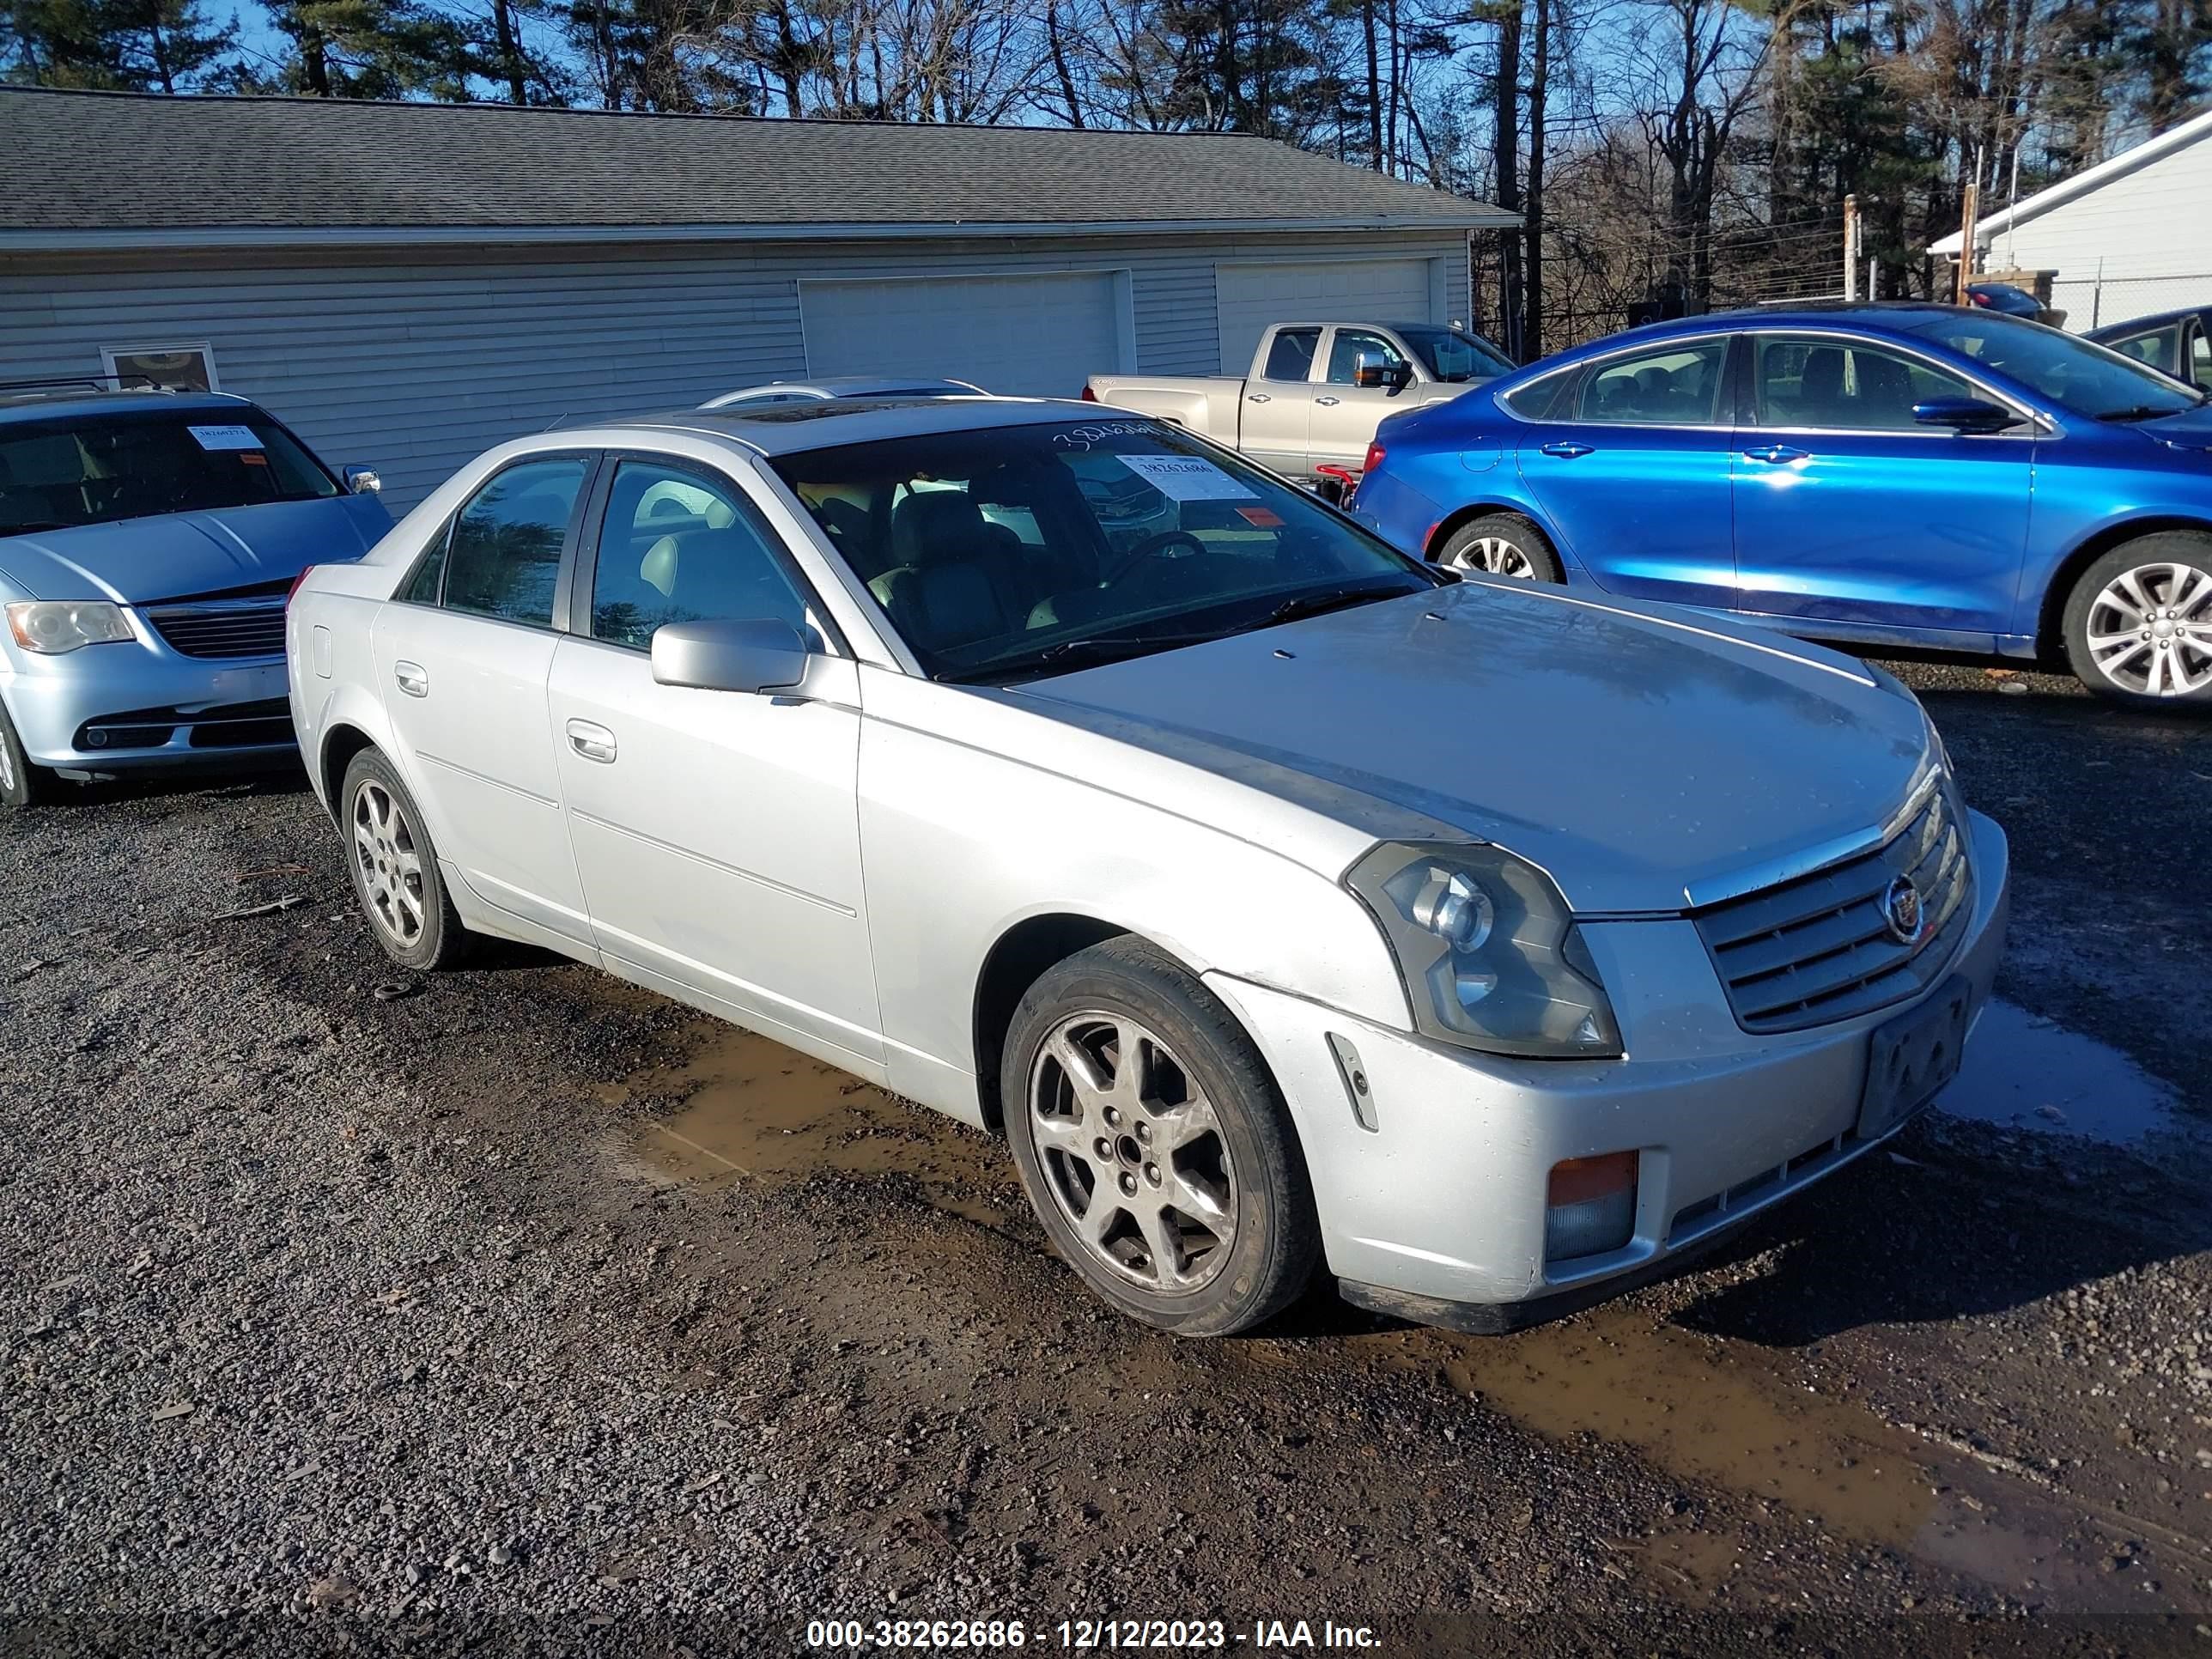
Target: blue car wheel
{"type": "Point", "coordinates": [2139, 621]}
{"type": "Point", "coordinates": [1501, 544]}
{"type": "Point", "coordinates": [22, 783]}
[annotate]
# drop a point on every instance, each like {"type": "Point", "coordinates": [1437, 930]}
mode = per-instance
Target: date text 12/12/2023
{"type": "Point", "coordinates": [1090, 1635]}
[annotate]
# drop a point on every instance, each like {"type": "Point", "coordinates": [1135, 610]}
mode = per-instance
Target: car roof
{"type": "Point", "coordinates": [2136, 324]}
{"type": "Point", "coordinates": [828, 424]}
{"type": "Point", "coordinates": [24, 404]}
{"type": "Point", "coordinates": [1898, 320]}
{"type": "Point", "coordinates": [849, 386]}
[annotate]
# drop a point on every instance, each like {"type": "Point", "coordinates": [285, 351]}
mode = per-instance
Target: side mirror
{"type": "Point", "coordinates": [757, 654]}
{"type": "Point", "coordinates": [1963, 415]}
{"type": "Point", "coordinates": [362, 482]}
{"type": "Point", "coordinates": [1395, 376]}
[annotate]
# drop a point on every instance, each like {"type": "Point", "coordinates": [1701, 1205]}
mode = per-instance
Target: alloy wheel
{"type": "Point", "coordinates": [1492, 556]}
{"type": "Point", "coordinates": [2150, 630]}
{"type": "Point", "coordinates": [388, 863]}
{"type": "Point", "coordinates": [1133, 1151]}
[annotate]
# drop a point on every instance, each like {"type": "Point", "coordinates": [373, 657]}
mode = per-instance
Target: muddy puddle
{"type": "Point", "coordinates": [754, 1112]}
{"type": "Point", "coordinates": [2022, 1072]}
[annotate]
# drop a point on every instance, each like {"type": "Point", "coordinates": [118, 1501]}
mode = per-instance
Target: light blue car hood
{"type": "Point", "coordinates": [1639, 756]}
{"type": "Point", "coordinates": [138, 561]}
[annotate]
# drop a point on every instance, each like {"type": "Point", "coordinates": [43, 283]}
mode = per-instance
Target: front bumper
{"type": "Point", "coordinates": [1437, 1211]}
{"type": "Point", "coordinates": [136, 706]}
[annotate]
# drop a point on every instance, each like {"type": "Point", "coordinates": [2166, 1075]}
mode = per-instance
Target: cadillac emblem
{"type": "Point", "coordinates": [1902, 910]}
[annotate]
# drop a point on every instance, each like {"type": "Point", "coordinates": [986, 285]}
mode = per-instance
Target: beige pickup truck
{"type": "Point", "coordinates": [1316, 392]}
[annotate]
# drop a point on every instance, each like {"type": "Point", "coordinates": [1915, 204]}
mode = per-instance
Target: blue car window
{"type": "Point", "coordinates": [1669, 386]}
{"type": "Point", "coordinates": [2160, 346]}
{"type": "Point", "coordinates": [2200, 359]}
{"type": "Point", "coordinates": [1843, 386]}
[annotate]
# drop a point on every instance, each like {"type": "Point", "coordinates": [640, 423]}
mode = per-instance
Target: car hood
{"type": "Point", "coordinates": [1647, 759]}
{"type": "Point", "coordinates": [2191, 429]}
{"type": "Point", "coordinates": [138, 561]}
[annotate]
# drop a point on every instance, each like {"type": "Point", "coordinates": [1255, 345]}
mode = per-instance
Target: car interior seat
{"type": "Point", "coordinates": [951, 576]}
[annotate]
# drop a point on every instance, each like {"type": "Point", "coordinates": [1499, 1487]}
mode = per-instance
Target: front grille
{"type": "Point", "coordinates": [230, 627]}
{"type": "Point", "coordinates": [1818, 948]}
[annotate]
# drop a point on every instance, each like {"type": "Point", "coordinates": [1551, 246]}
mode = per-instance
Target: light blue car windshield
{"type": "Point", "coordinates": [91, 467]}
{"type": "Point", "coordinates": [2083, 376]}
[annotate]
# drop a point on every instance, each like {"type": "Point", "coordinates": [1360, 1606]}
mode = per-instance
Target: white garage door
{"type": "Point", "coordinates": [1036, 336]}
{"type": "Point", "coordinates": [1248, 297]}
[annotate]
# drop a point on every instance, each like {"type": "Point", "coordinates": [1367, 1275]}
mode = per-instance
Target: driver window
{"type": "Point", "coordinates": [1845, 387]}
{"type": "Point", "coordinates": [2155, 348]}
{"type": "Point", "coordinates": [1353, 346]}
{"type": "Point", "coordinates": [678, 545]}
{"type": "Point", "coordinates": [2200, 359]}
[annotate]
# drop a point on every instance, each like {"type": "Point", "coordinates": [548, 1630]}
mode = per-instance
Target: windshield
{"type": "Point", "coordinates": [94, 467]}
{"type": "Point", "coordinates": [2085, 377]}
{"type": "Point", "coordinates": [1449, 355]}
{"type": "Point", "coordinates": [1011, 551]}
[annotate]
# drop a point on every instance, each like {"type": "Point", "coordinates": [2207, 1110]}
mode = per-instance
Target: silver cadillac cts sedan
{"type": "Point", "coordinates": [1282, 901]}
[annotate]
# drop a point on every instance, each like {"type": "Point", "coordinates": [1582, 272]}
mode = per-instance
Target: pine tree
{"type": "Point", "coordinates": [118, 45]}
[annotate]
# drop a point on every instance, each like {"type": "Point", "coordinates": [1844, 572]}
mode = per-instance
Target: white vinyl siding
{"type": "Point", "coordinates": [1025, 336]}
{"type": "Point", "coordinates": [1250, 297]}
{"type": "Point", "coordinates": [413, 366]}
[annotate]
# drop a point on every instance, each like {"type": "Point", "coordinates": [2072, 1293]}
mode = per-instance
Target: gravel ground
{"type": "Point", "coordinates": [348, 1312]}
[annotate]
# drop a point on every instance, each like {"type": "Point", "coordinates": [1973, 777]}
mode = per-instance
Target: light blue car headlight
{"type": "Point", "coordinates": [51, 627]}
{"type": "Point", "coordinates": [1489, 951]}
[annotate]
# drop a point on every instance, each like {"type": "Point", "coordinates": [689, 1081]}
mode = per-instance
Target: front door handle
{"type": "Point", "coordinates": [1259, 398]}
{"type": "Point", "coordinates": [414, 679]}
{"type": "Point", "coordinates": [1567, 449]}
{"type": "Point", "coordinates": [1775, 455]}
{"type": "Point", "coordinates": [1328, 403]}
{"type": "Point", "coordinates": [594, 743]}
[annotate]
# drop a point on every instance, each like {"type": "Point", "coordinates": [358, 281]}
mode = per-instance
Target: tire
{"type": "Point", "coordinates": [1217, 1170]}
{"type": "Point", "coordinates": [1501, 544]}
{"type": "Point", "coordinates": [395, 872]}
{"type": "Point", "coordinates": [2138, 624]}
{"type": "Point", "coordinates": [21, 784]}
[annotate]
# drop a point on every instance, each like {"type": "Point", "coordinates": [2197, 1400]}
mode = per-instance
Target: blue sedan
{"type": "Point", "coordinates": [1890, 475]}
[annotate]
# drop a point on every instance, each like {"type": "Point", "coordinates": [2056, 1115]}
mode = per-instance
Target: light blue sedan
{"type": "Point", "coordinates": [147, 542]}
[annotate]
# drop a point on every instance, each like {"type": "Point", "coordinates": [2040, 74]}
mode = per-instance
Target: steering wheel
{"type": "Point", "coordinates": [1151, 547]}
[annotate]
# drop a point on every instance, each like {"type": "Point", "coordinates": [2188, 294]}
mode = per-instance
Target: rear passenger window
{"type": "Point", "coordinates": [504, 555]}
{"type": "Point", "coordinates": [678, 545]}
{"type": "Point", "coordinates": [1539, 399]}
{"type": "Point", "coordinates": [1291, 358]}
{"type": "Point", "coordinates": [1678, 386]}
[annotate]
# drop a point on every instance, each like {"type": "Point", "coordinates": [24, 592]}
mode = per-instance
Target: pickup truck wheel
{"type": "Point", "coordinates": [395, 868]}
{"type": "Point", "coordinates": [2139, 622]}
{"type": "Point", "coordinates": [1155, 1146]}
{"type": "Point", "coordinates": [1501, 544]}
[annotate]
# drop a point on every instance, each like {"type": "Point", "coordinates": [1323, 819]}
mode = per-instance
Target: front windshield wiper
{"type": "Point", "coordinates": [1332, 598]}
{"type": "Point", "coordinates": [1087, 652]}
{"type": "Point", "coordinates": [2143, 412]}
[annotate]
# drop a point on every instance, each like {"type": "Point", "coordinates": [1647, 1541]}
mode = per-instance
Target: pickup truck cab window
{"type": "Point", "coordinates": [1291, 358]}
{"type": "Point", "coordinates": [1355, 346]}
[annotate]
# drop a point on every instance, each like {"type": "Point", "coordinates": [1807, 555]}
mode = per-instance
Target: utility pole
{"type": "Point", "coordinates": [1851, 249]}
{"type": "Point", "coordinates": [1967, 241]}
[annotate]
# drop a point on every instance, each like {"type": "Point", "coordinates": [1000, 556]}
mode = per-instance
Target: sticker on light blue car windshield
{"type": "Point", "coordinates": [226, 437]}
{"type": "Point", "coordinates": [1186, 478]}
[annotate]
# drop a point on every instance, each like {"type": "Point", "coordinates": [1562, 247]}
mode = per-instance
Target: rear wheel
{"type": "Point", "coordinates": [21, 784]}
{"type": "Point", "coordinates": [1155, 1146]}
{"type": "Point", "coordinates": [1501, 544]}
{"type": "Point", "coordinates": [395, 868]}
{"type": "Point", "coordinates": [2139, 622]}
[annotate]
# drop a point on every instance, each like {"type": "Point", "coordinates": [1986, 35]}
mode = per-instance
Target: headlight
{"type": "Point", "coordinates": [1489, 950]}
{"type": "Point", "coordinates": [51, 627]}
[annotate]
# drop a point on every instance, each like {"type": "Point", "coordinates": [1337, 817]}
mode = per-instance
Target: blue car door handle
{"type": "Point", "coordinates": [1567, 449]}
{"type": "Point", "coordinates": [1775, 455]}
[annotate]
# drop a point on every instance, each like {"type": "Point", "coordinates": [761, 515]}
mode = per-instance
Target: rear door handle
{"type": "Point", "coordinates": [1567, 449]}
{"type": "Point", "coordinates": [1775, 455]}
{"type": "Point", "coordinates": [1328, 403]}
{"type": "Point", "coordinates": [414, 679]}
{"type": "Point", "coordinates": [594, 743]}
{"type": "Point", "coordinates": [1259, 398]}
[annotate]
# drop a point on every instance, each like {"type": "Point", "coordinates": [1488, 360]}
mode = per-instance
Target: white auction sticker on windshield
{"type": "Point", "coordinates": [226, 437]}
{"type": "Point", "coordinates": [1186, 478]}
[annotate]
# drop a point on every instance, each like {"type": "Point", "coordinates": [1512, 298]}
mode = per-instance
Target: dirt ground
{"type": "Point", "coordinates": [517, 1310]}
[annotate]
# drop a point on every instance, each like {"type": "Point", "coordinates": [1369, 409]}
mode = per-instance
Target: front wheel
{"type": "Point", "coordinates": [22, 783]}
{"type": "Point", "coordinates": [2138, 624]}
{"type": "Point", "coordinates": [1154, 1145]}
{"type": "Point", "coordinates": [1501, 544]}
